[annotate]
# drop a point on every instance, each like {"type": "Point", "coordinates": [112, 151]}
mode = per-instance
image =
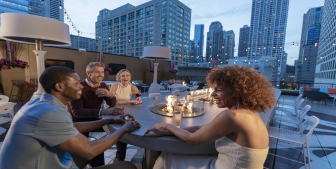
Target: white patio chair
{"type": "Point", "coordinates": [297, 120]}
{"type": "Point", "coordinates": [4, 98]}
{"type": "Point", "coordinates": [296, 137]}
{"type": "Point", "coordinates": [6, 107]}
{"type": "Point", "coordinates": [290, 103]}
{"type": "Point", "coordinates": [291, 111]}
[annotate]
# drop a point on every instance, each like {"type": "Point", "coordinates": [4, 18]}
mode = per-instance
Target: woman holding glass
{"type": "Point", "coordinates": [124, 89]}
{"type": "Point", "coordinates": [240, 135]}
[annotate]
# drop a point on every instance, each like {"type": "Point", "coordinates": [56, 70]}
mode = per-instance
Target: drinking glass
{"type": "Point", "coordinates": [177, 115]}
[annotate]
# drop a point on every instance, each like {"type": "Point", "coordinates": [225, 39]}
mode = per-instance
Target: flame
{"type": "Point", "coordinates": [169, 104]}
{"type": "Point", "coordinates": [190, 107]}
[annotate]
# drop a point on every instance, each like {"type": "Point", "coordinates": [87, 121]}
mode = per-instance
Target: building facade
{"type": "Point", "coordinates": [45, 8]}
{"type": "Point", "coordinates": [79, 42]}
{"type": "Point", "coordinates": [199, 42]}
{"type": "Point", "coordinates": [53, 9]}
{"type": "Point", "coordinates": [311, 28]}
{"type": "Point", "coordinates": [326, 56]}
{"type": "Point", "coordinates": [268, 30]}
{"type": "Point", "coordinates": [127, 29]}
{"type": "Point", "coordinates": [265, 65]}
{"type": "Point", "coordinates": [311, 23]}
{"type": "Point", "coordinates": [243, 41]}
{"type": "Point", "coordinates": [229, 46]}
{"type": "Point", "coordinates": [214, 44]}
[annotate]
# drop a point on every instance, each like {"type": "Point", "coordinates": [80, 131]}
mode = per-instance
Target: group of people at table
{"type": "Point", "coordinates": [51, 131]}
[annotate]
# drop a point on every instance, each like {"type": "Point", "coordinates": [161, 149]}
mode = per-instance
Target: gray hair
{"type": "Point", "coordinates": [89, 67]}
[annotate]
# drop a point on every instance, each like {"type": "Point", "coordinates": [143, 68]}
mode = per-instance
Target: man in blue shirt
{"type": "Point", "coordinates": [42, 134]}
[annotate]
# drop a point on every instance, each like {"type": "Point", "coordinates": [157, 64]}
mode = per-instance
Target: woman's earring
{"type": "Point", "coordinates": [237, 105]}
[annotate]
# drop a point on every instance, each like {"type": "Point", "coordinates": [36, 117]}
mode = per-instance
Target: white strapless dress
{"type": "Point", "coordinates": [231, 156]}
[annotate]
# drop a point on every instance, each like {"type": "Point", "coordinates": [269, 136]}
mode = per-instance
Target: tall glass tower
{"type": "Point", "coordinates": [45, 8]}
{"type": "Point", "coordinates": [215, 43]}
{"type": "Point", "coordinates": [268, 30]}
{"type": "Point", "coordinates": [198, 42]}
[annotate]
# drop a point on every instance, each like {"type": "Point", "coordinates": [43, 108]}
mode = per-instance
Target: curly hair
{"type": "Point", "coordinates": [250, 89]}
{"type": "Point", "coordinates": [118, 76]}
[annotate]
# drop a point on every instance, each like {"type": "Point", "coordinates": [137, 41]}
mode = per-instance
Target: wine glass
{"type": "Point", "coordinates": [138, 95]}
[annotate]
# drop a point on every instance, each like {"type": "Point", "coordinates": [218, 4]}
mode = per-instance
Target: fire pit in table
{"type": "Point", "coordinates": [186, 108]}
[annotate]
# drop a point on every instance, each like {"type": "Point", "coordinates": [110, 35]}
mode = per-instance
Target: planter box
{"type": "Point", "coordinates": [12, 74]}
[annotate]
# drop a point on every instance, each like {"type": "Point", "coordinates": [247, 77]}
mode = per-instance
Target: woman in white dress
{"type": "Point", "coordinates": [123, 90]}
{"type": "Point", "coordinates": [240, 134]}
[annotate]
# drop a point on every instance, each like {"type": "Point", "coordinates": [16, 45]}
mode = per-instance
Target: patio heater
{"type": "Point", "coordinates": [155, 53]}
{"type": "Point", "coordinates": [32, 29]}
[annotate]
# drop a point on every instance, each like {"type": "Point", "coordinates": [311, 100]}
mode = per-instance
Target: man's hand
{"type": "Point", "coordinates": [131, 126]}
{"type": "Point", "coordinates": [123, 118]}
{"type": "Point", "coordinates": [112, 111]}
{"type": "Point", "coordinates": [102, 92]}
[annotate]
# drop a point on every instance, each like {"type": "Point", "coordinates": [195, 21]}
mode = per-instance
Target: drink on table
{"type": "Point", "coordinates": [177, 118]}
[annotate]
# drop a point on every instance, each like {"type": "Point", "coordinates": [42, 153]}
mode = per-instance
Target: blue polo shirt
{"type": "Point", "coordinates": [36, 130]}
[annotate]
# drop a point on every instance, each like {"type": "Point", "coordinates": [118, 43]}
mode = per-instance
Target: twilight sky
{"type": "Point", "coordinates": [232, 14]}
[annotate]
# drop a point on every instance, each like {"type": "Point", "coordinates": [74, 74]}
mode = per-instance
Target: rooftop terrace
{"type": "Point", "coordinates": [322, 142]}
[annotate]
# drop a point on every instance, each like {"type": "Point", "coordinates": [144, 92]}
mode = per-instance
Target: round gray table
{"type": "Point", "coordinates": [171, 144]}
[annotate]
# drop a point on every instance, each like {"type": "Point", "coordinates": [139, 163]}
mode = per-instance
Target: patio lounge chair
{"type": "Point", "coordinates": [316, 96]}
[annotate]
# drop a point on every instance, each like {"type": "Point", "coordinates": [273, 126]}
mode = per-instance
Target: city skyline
{"type": "Point", "coordinates": [233, 15]}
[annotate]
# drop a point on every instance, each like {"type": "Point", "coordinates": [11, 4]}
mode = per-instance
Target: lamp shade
{"type": "Point", "coordinates": [155, 52]}
{"type": "Point", "coordinates": [25, 28]}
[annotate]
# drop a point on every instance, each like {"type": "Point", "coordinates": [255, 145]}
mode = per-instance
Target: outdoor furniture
{"type": "Point", "coordinates": [17, 91]}
{"type": "Point", "coordinates": [316, 96]}
{"type": "Point", "coordinates": [297, 120]}
{"type": "Point", "coordinates": [6, 107]}
{"type": "Point", "coordinates": [29, 90]}
{"type": "Point", "coordinates": [153, 145]}
{"type": "Point", "coordinates": [296, 137]}
{"type": "Point", "coordinates": [144, 87]}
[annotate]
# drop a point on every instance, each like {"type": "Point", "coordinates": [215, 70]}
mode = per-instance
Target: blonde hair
{"type": "Point", "coordinates": [118, 76]}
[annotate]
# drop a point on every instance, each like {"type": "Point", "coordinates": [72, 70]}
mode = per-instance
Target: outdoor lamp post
{"type": "Point", "coordinates": [32, 29]}
{"type": "Point", "coordinates": [156, 53]}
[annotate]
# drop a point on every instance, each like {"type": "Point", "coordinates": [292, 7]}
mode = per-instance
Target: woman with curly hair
{"type": "Point", "coordinates": [240, 134]}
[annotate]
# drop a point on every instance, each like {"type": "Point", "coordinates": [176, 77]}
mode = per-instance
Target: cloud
{"type": "Point", "coordinates": [234, 11]}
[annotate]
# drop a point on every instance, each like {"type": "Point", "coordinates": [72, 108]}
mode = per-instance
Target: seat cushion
{"type": "Point", "coordinates": [324, 90]}
{"type": "Point", "coordinates": [307, 88]}
{"type": "Point", "coordinates": [331, 90]}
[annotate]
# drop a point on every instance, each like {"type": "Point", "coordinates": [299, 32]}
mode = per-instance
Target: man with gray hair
{"type": "Point", "coordinates": [89, 106]}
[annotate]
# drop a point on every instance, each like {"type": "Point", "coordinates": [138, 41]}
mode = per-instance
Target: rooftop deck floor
{"type": "Point", "coordinates": [322, 142]}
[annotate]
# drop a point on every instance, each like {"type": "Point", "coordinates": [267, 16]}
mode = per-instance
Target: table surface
{"type": "Point", "coordinates": [172, 144]}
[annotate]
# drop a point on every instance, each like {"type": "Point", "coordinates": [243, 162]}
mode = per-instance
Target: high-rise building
{"type": "Point", "coordinates": [79, 42]}
{"type": "Point", "coordinates": [199, 41]}
{"type": "Point", "coordinates": [310, 25]}
{"type": "Point", "coordinates": [326, 56]}
{"type": "Point", "coordinates": [214, 44]}
{"type": "Point", "coordinates": [243, 41]}
{"type": "Point", "coordinates": [310, 35]}
{"type": "Point", "coordinates": [53, 10]}
{"type": "Point", "coordinates": [46, 8]}
{"type": "Point", "coordinates": [268, 30]}
{"type": "Point", "coordinates": [229, 46]}
{"type": "Point", "coordinates": [127, 29]}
